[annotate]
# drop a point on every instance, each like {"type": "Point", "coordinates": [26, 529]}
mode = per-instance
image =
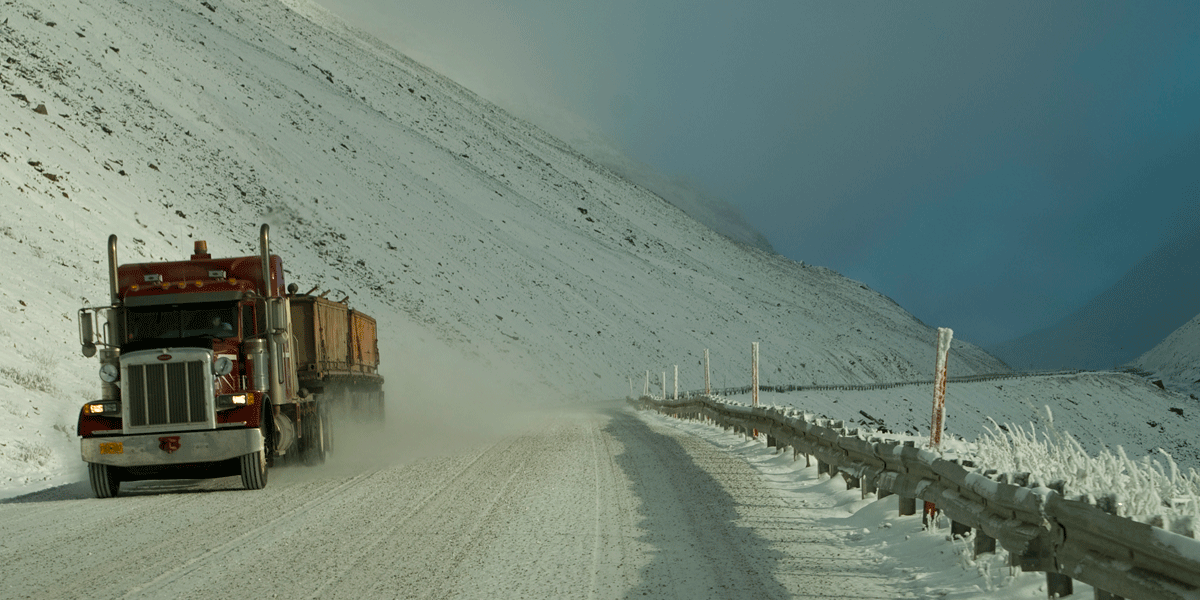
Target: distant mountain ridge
{"type": "Point", "coordinates": [1177, 358]}
{"type": "Point", "coordinates": [1157, 296]}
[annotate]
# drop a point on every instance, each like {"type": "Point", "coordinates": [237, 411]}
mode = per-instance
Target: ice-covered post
{"type": "Point", "coordinates": [663, 384]}
{"type": "Point", "coordinates": [707, 389]}
{"type": "Point", "coordinates": [945, 334]}
{"type": "Point", "coordinates": [754, 378]}
{"type": "Point", "coordinates": [646, 388]}
{"type": "Point", "coordinates": [754, 372]}
{"type": "Point", "coordinates": [676, 396]}
{"type": "Point", "coordinates": [939, 387]}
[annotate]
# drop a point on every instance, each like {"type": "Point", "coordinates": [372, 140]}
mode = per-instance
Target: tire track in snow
{"type": "Point", "coordinates": [281, 521]}
{"type": "Point", "coordinates": [396, 525]}
{"type": "Point", "coordinates": [594, 588]}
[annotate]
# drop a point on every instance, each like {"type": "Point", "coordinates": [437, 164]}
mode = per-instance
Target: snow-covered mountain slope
{"type": "Point", "coordinates": [499, 262]}
{"type": "Point", "coordinates": [1154, 298]}
{"type": "Point", "coordinates": [1176, 359]}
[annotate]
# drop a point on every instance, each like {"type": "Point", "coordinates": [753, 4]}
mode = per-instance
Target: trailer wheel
{"type": "Point", "coordinates": [254, 470]}
{"type": "Point", "coordinates": [105, 483]}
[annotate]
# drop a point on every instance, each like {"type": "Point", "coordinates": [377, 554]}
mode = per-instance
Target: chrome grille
{"type": "Point", "coordinates": [166, 393]}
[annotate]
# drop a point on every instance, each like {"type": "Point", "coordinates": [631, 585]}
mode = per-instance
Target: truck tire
{"type": "Point", "coordinates": [104, 480]}
{"type": "Point", "coordinates": [254, 470]}
{"type": "Point", "coordinates": [313, 442]}
{"type": "Point", "coordinates": [254, 465]}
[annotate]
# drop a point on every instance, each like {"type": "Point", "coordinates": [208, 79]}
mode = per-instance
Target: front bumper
{"type": "Point", "coordinates": [171, 448]}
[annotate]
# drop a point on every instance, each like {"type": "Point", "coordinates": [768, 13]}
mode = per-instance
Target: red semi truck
{"type": "Point", "coordinates": [213, 367]}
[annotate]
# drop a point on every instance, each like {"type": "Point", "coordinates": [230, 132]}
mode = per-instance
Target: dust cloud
{"type": "Point", "coordinates": [439, 400]}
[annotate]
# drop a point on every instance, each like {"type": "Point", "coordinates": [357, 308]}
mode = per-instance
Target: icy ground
{"type": "Point", "coordinates": [588, 502]}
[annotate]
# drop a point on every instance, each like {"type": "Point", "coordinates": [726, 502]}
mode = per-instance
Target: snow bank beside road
{"type": "Point", "coordinates": [921, 563]}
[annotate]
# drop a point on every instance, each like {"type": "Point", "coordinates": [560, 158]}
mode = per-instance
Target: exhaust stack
{"type": "Point", "coordinates": [264, 241]}
{"type": "Point", "coordinates": [113, 294]}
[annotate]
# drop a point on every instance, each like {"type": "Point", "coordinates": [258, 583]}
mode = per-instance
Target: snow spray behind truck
{"type": "Point", "coordinates": [209, 369]}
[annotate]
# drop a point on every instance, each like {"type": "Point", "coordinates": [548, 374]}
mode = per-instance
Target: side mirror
{"type": "Point", "coordinates": [87, 332]}
{"type": "Point", "coordinates": [279, 315]}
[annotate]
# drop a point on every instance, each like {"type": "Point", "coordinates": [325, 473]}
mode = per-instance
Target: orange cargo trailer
{"type": "Point", "coordinates": [337, 354]}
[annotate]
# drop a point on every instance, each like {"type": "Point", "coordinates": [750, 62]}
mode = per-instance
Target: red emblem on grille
{"type": "Point", "coordinates": [164, 357]}
{"type": "Point", "coordinates": [169, 443]}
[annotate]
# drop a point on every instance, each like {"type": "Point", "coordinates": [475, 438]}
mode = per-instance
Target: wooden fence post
{"type": "Point", "coordinates": [1058, 585]}
{"type": "Point", "coordinates": [754, 371]}
{"type": "Point", "coordinates": [959, 530]}
{"type": "Point", "coordinates": [939, 387]}
{"type": "Point", "coordinates": [676, 396]}
{"type": "Point", "coordinates": [754, 379]}
{"type": "Point", "coordinates": [945, 334]}
{"type": "Point", "coordinates": [984, 543]}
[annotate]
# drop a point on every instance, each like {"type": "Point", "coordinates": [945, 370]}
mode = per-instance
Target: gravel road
{"type": "Point", "coordinates": [582, 503]}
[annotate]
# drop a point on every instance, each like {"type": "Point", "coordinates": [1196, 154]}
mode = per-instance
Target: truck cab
{"type": "Point", "coordinates": [197, 374]}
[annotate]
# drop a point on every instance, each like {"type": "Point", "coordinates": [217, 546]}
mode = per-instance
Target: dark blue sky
{"type": "Point", "coordinates": [990, 166]}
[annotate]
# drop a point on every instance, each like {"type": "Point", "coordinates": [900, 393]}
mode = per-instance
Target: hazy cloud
{"type": "Point", "coordinates": [988, 165]}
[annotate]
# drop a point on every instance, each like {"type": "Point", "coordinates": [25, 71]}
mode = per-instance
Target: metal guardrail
{"type": "Point", "coordinates": [1068, 538]}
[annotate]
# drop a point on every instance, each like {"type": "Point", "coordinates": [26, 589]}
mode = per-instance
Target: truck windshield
{"type": "Point", "coordinates": [212, 320]}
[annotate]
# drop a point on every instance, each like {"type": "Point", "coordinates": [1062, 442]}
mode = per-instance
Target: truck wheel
{"type": "Point", "coordinates": [314, 441]}
{"type": "Point", "coordinates": [327, 432]}
{"type": "Point", "coordinates": [104, 481]}
{"type": "Point", "coordinates": [254, 470]}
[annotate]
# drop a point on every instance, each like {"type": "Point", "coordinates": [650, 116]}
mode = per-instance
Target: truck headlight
{"type": "Point", "coordinates": [234, 400]}
{"type": "Point", "coordinates": [109, 373]}
{"type": "Point", "coordinates": [102, 408]}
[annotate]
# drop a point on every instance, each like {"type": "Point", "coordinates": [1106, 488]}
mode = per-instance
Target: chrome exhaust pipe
{"type": "Point", "coordinates": [113, 294]}
{"type": "Point", "coordinates": [264, 241]}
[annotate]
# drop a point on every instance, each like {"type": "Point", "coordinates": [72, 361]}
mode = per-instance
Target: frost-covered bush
{"type": "Point", "coordinates": [1148, 487]}
{"type": "Point", "coordinates": [34, 381]}
{"type": "Point", "coordinates": [33, 453]}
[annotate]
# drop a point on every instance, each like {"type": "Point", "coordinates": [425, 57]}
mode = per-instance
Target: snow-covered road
{"type": "Point", "coordinates": [595, 503]}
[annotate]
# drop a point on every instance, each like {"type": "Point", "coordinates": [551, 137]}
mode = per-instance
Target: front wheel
{"type": "Point", "coordinates": [104, 480]}
{"type": "Point", "coordinates": [254, 470]}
